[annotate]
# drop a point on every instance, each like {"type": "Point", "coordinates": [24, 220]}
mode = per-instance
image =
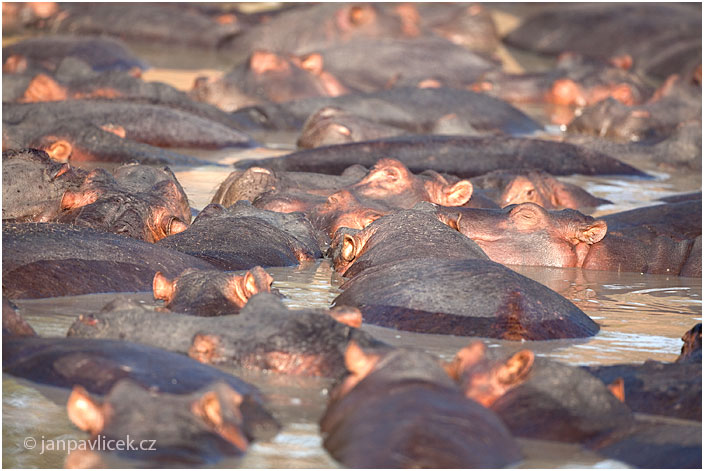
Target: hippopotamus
{"type": "Point", "coordinates": [144, 22]}
{"type": "Point", "coordinates": [576, 80]}
{"type": "Point", "coordinates": [661, 39]}
{"type": "Point", "coordinates": [325, 25]}
{"type": "Point", "coordinates": [42, 260]}
{"type": "Point", "coordinates": [45, 53]}
{"type": "Point", "coordinates": [268, 77]}
{"type": "Point", "coordinates": [466, 297]}
{"type": "Point", "coordinates": [157, 125]}
{"type": "Point", "coordinates": [674, 103]}
{"type": "Point", "coordinates": [82, 141]}
{"type": "Point", "coordinates": [538, 397]}
{"type": "Point", "coordinates": [436, 110]}
{"type": "Point", "coordinates": [137, 201]}
{"type": "Point", "coordinates": [98, 364]}
{"type": "Point", "coordinates": [373, 64]}
{"type": "Point", "coordinates": [232, 240]}
{"type": "Point", "coordinates": [542, 398]}
{"type": "Point", "coordinates": [75, 80]}
{"type": "Point", "coordinates": [196, 428]}
{"type": "Point", "coordinates": [263, 336]}
{"type": "Point", "coordinates": [463, 156]}
{"type": "Point", "coordinates": [527, 234]}
{"type": "Point", "coordinates": [399, 409]}
{"type": "Point", "coordinates": [33, 185]}
{"type": "Point", "coordinates": [403, 235]}
{"type": "Point", "coordinates": [679, 220]}
{"type": "Point", "coordinates": [331, 125]}
{"type": "Point", "coordinates": [679, 152]}
{"type": "Point", "coordinates": [467, 25]}
{"type": "Point", "coordinates": [210, 293]}
{"type": "Point", "coordinates": [515, 186]}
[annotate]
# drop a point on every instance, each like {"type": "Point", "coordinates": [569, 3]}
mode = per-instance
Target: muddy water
{"type": "Point", "coordinates": [641, 317]}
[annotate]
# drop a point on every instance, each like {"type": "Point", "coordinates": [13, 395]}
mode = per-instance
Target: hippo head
{"type": "Point", "coordinates": [343, 209]}
{"type": "Point", "coordinates": [348, 245]}
{"type": "Point", "coordinates": [207, 292]}
{"type": "Point", "coordinates": [483, 380]}
{"type": "Point", "coordinates": [391, 181]}
{"type": "Point", "coordinates": [210, 414]}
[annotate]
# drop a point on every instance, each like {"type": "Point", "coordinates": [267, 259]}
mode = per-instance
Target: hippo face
{"type": "Point", "coordinates": [343, 209]}
{"type": "Point", "coordinates": [207, 293]}
{"type": "Point", "coordinates": [102, 203]}
{"type": "Point", "coordinates": [391, 181]}
{"type": "Point", "coordinates": [527, 234]}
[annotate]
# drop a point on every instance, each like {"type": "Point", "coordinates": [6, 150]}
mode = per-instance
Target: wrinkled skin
{"type": "Point", "coordinates": [506, 187]}
{"type": "Point", "coordinates": [235, 240]}
{"type": "Point", "coordinates": [268, 77]}
{"type": "Point", "coordinates": [198, 428]}
{"type": "Point", "coordinates": [47, 52]}
{"type": "Point", "coordinates": [401, 236]}
{"type": "Point", "coordinates": [210, 293]}
{"type": "Point", "coordinates": [137, 201]}
{"type": "Point", "coordinates": [33, 185]}
{"type": "Point", "coordinates": [330, 125]}
{"type": "Point", "coordinates": [539, 398]}
{"type": "Point", "coordinates": [49, 260]}
{"type": "Point", "coordinates": [469, 297]}
{"type": "Point", "coordinates": [463, 156]}
{"type": "Point", "coordinates": [399, 409]}
{"type": "Point", "coordinates": [263, 336]}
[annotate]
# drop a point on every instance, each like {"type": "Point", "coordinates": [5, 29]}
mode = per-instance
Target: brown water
{"type": "Point", "coordinates": [641, 317]}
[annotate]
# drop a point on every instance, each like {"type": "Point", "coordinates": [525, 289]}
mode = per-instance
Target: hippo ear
{"type": "Point", "coordinates": [466, 357]}
{"type": "Point", "coordinates": [60, 150]}
{"type": "Point", "coordinates": [64, 169]}
{"type": "Point", "coordinates": [358, 362]}
{"type": "Point", "coordinates": [348, 315]}
{"type": "Point", "coordinates": [209, 409]}
{"type": "Point", "coordinates": [84, 412]}
{"type": "Point", "coordinates": [43, 88]}
{"type": "Point", "coordinates": [312, 63]}
{"type": "Point", "coordinates": [174, 226]}
{"type": "Point", "coordinates": [616, 387]}
{"type": "Point", "coordinates": [457, 194]}
{"type": "Point", "coordinates": [594, 232]}
{"type": "Point", "coordinates": [515, 370]}
{"type": "Point", "coordinates": [349, 250]}
{"type": "Point", "coordinates": [162, 287]}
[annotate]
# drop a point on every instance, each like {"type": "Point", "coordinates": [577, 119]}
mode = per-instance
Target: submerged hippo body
{"type": "Point", "coordinates": [47, 260]}
{"type": "Point", "coordinates": [468, 297]}
{"type": "Point", "coordinates": [263, 336]}
{"type": "Point", "coordinates": [402, 410]}
{"type": "Point", "coordinates": [460, 156]}
{"type": "Point", "coordinates": [238, 241]}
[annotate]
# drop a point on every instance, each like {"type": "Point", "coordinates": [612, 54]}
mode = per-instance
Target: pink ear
{"type": "Point", "coordinates": [594, 233]}
{"type": "Point", "coordinates": [84, 412]}
{"type": "Point", "coordinates": [458, 194]}
{"type": "Point", "coordinates": [162, 287]}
